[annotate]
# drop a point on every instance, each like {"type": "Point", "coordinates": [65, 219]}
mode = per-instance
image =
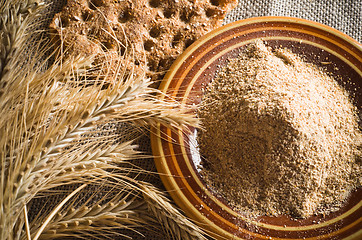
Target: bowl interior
{"type": "Point", "coordinates": [178, 153]}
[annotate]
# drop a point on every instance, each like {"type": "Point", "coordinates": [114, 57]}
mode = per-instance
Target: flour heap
{"type": "Point", "coordinates": [279, 136]}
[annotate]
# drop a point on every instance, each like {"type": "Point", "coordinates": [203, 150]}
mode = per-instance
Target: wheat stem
{"type": "Point", "coordinates": [27, 228]}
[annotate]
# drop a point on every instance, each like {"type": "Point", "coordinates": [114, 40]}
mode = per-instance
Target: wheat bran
{"type": "Point", "coordinates": [280, 136]}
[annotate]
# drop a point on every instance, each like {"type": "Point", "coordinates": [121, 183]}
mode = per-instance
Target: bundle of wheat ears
{"type": "Point", "coordinates": [52, 117]}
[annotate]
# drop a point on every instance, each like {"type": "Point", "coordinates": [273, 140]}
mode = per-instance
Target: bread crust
{"type": "Point", "coordinates": [154, 32]}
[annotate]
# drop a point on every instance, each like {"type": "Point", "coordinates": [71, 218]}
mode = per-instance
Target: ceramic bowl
{"type": "Point", "coordinates": [177, 153]}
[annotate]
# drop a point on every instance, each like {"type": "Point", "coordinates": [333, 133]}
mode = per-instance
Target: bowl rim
{"type": "Point", "coordinates": [160, 160]}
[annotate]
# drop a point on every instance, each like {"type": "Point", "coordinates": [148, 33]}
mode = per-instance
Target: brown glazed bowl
{"type": "Point", "coordinates": [177, 155]}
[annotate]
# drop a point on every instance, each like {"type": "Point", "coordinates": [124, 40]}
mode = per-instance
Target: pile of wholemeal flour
{"type": "Point", "coordinates": [279, 136]}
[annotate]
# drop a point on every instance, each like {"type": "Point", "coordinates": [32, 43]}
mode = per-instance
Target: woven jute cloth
{"type": "Point", "coordinates": [343, 15]}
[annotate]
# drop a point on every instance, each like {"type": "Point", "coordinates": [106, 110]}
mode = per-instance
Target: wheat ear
{"type": "Point", "coordinates": [16, 17]}
{"type": "Point", "coordinates": [55, 210]}
{"type": "Point", "coordinates": [103, 217]}
{"type": "Point", "coordinates": [174, 222]}
{"type": "Point", "coordinates": [150, 111]}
